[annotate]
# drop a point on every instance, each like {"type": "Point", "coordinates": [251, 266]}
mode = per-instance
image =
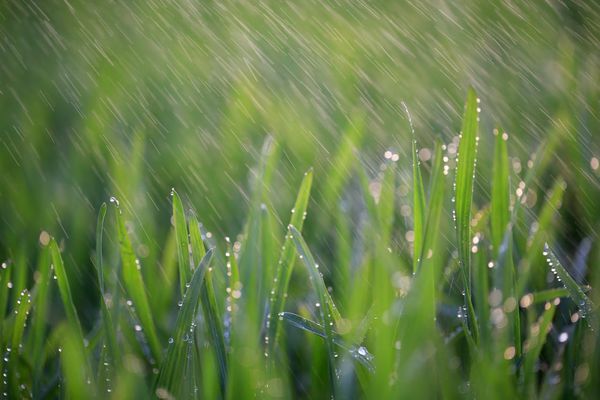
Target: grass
{"type": "Point", "coordinates": [282, 131]}
{"type": "Point", "coordinates": [228, 333]}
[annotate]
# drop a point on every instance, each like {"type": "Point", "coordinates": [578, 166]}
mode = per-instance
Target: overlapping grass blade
{"type": "Point", "coordinates": [285, 265]}
{"type": "Point", "coordinates": [585, 305]}
{"type": "Point", "coordinates": [359, 353]}
{"type": "Point", "coordinates": [173, 368]}
{"type": "Point", "coordinates": [463, 198]}
{"type": "Point", "coordinates": [135, 287]}
{"type": "Point", "coordinates": [209, 303]}
{"type": "Point", "coordinates": [325, 304]}
{"type": "Point", "coordinates": [21, 312]}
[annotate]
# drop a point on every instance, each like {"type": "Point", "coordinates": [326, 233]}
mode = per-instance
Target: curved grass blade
{"type": "Point", "coordinates": [325, 304]}
{"type": "Point", "coordinates": [134, 285]}
{"type": "Point", "coordinates": [173, 369]}
{"type": "Point", "coordinates": [585, 305]}
{"type": "Point", "coordinates": [208, 303]}
{"type": "Point", "coordinates": [359, 353]}
{"type": "Point", "coordinates": [21, 311]}
{"type": "Point", "coordinates": [181, 234]}
{"type": "Point", "coordinates": [285, 265]}
{"type": "Point", "coordinates": [65, 291]}
{"type": "Point", "coordinates": [463, 198]}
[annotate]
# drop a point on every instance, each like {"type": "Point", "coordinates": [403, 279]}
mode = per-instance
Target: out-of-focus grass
{"type": "Point", "coordinates": [131, 99]}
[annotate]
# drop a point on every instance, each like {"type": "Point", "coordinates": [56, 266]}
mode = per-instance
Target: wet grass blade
{"type": "Point", "coordinates": [499, 220]}
{"type": "Point", "coordinates": [65, 291]}
{"type": "Point", "coordinates": [358, 353]}
{"type": "Point", "coordinates": [174, 367]}
{"type": "Point", "coordinates": [325, 304]}
{"type": "Point", "coordinates": [585, 305]}
{"type": "Point", "coordinates": [107, 321]}
{"type": "Point", "coordinates": [463, 198]}
{"type": "Point", "coordinates": [21, 312]}
{"type": "Point", "coordinates": [208, 303]}
{"type": "Point", "coordinates": [181, 235]}
{"type": "Point", "coordinates": [419, 202]}
{"type": "Point", "coordinates": [285, 265]}
{"type": "Point", "coordinates": [134, 285]}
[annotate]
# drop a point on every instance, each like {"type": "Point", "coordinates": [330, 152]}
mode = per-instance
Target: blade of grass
{"type": "Point", "coordinates": [134, 285]}
{"type": "Point", "coordinates": [209, 304]}
{"type": "Point", "coordinates": [537, 339]}
{"type": "Point", "coordinates": [325, 303]}
{"type": "Point", "coordinates": [585, 305]}
{"type": "Point", "coordinates": [173, 368]}
{"type": "Point", "coordinates": [358, 353]}
{"type": "Point", "coordinates": [499, 220]}
{"type": "Point", "coordinates": [419, 203]}
{"type": "Point", "coordinates": [465, 177]}
{"type": "Point", "coordinates": [181, 234]}
{"type": "Point", "coordinates": [107, 322]}
{"type": "Point", "coordinates": [285, 265]}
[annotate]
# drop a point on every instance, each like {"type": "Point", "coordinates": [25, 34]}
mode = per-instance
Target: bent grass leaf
{"type": "Point", "coordinates": [181, 235]}
{"type": "Point", "coordinates": [359, 353]}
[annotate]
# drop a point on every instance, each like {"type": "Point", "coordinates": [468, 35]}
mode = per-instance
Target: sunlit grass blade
{"type": "Point", "coordinates": [181, 234]}
{"type": "Point", "coordinates": [285, 265]}
{"type": "Point", "coordinates": [463, 198]}
{"type": "Point", "coordinates": [359, 353]}
{"type": "Point", "coordinates": [585, 305]}
{"type": "Point", "coordinates": [175, 367]}
{"type": "Point", "coordinates": [325, 303]}
{"type": "Point", "coordinates": [134, 285]}
{"type": "Point", "coordinates": [208, 303]}
{"type": "Point", "coordinates": [499, 220]}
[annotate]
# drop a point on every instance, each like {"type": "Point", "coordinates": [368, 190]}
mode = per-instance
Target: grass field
{"type": "Point", "coordinates": [299, 200]}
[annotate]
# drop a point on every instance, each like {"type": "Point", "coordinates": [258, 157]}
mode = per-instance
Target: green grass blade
{"type": "Point", "coordinates": [181, 234]}
{"type": "Point", "coordinates": [537, 339]}
{"type": "Point", "coordinates": [358, 353]}
{"type": "Point", "coordinates": [208, 303]}
{"type": "Point", "coordinates": [585, 305]}
{"type": "Point", "coordinates": [65, 291]}
{"type": "Point", "coordinates": [134, 285]}
{"type": "Point", "coordinates": [174, 368]}
{"type": "Point", "coordinates": [463, 197]}
{"type": "Point", "coordinates": [419, 202]}
{"type": "Point", "coordinates": [325, 304]}
{"type": "Point", "coordinates": [285, 265]}
{"type": "Point", "coordinates": [499, 220]}
{"type": "Point", "coordinates": [21, 312]}
{"type": "Point", "coordinates": [77, 384]}
{"type": "Point", "coordinates": [107, 321]}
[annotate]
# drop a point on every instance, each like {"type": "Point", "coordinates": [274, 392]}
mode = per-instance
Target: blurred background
{"type": "Point", "coordinates": [132, 98]}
